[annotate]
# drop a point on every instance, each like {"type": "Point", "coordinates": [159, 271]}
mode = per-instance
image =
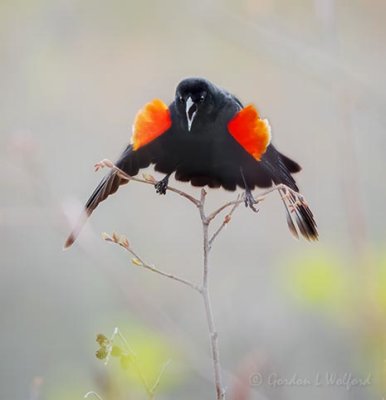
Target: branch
{"type": "Point", "coordinates": [225, 222]}
{"type": "Point", "coordinates": [139, 262]}
{"type": "Point", "coordinates": [91, 393]}
{"type": "Point", "coordinates": [257, 199]}
{"type": "Point", "coordinates": [148, 179]}
{"type": "Point", "coordinates": [158, 380]}
{"type": "Point", "coordinates": [148, 390]}
{"type": "Point", "coordinates": [213, 335]}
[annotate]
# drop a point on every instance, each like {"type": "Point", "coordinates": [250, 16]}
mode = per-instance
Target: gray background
{"type": "Point", "coordinates": [73, 75]}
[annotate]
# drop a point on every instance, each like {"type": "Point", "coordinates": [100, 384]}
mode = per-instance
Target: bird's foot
{"type": "Point", "coordinates": [162, 185]}
{"type": "Point", "coordinates": [249, 200]}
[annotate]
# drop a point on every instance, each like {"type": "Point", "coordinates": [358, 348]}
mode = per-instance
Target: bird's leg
{"type": "Point", "coordinates": [249, 201]}
{"type": "Point", "coordinates": [162, 185]}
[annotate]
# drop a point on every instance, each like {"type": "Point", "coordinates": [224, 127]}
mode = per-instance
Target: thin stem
{"type": "Point", "coordinates": [160, 375]}
{"type": "Point", "coordinates": [165, 274]}
{"type": "Point", "coordinates": [115, 332]}
{"type": "Point", "coordinates": [143, 264]}
{"type": "Point", "coordinates": [109, 164]}
{"type": "Point", "coordinates": [225, 222]}
{"type": "Point", "coordinates": [118, 333]}
{"type": "Point", "coordinates": [95, 394]}
{"type": "Point", "coordinates": [137, 260]}
{"type": "Point", "coordinates": [205, 229]}
{"type": "Point", "coordinates": [213, 335]}
{"type": "Point", "coordinates": [125, 342]}
{"type": "Point", "coordinates": [258, 199]}
{"type": "Point", "coordinates": [214, 214]}
{"type": "Point", "coordinates": [148, 390]}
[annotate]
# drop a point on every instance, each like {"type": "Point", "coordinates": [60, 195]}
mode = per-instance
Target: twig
{"type": "Point", "coordinates": [224, 223]}
{"type": "Point", "coordinates": [149, 390]}
{"type": "Point", "coordinates": [138, 261]}
{"type": "Point", "coordinates": [213, 335]}
{"type": "Point", "coordinates": [115, 332]}
{"type": "Point", "coordinates": [160, 375]}
{"type": "Point", "coordinates": [257, 199]}
{"type": "Point", "coordinates": [118, 333]}
{"type": "Point", "coordinates": [165, 274]}
{"type": "Point", "coordinates": [134, 360]}
{"type": "Point", "coordinates": [107, 163]}
{"type": "Point", "coordinates": [126, 343]}
{"type": "Point", "coordinates": [88, 394]}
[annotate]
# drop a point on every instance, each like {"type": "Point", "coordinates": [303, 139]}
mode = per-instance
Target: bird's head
{"type": "Point", "coordinates": [195, 97]}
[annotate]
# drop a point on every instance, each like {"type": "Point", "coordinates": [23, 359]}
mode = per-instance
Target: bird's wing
{"type": "Point", "coordinates": [251, 132]}
{"type": "Point", "coordinates": [151, 124]}
{"type": "Point", "coordinates": [254, 135]}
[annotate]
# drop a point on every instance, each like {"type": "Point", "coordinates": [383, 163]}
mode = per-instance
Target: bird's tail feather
{"type": "Point", "coordinates": [299, 216]}
{"type": "Point", "coordinates": [108, 185]}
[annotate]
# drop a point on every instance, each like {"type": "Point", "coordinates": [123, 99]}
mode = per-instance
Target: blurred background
{"type": "Point", "coordinates": [295, 320]}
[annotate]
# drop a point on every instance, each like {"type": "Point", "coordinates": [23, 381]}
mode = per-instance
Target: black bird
{"type": "Point", "coordinates": [206, 137]}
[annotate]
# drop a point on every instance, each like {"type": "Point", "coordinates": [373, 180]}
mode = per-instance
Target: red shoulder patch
{"type": "Point", "coordinates": [150, 122]}
{"type": "Point", "coordinates": [250, 131]}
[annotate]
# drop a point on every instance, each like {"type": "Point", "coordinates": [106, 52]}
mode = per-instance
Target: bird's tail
{"type": "Point", "coordinates": [108, 185]}
{"type": "Point", "coordinates": [299, 216]}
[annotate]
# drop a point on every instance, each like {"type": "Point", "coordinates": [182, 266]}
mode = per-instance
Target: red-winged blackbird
{"type": "Point", "coordinates": [207, 137]}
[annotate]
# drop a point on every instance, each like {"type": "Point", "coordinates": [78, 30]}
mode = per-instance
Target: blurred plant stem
{"type": "Point", "coordinates": [128, 355]}
{"type": "Point", "coordinates": [95, 394]}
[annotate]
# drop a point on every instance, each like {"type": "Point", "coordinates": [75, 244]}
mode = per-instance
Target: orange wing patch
{"type": "Point", "coordinates": [150, 122]}
{"type": "Point", "coordinates": [250, 131]}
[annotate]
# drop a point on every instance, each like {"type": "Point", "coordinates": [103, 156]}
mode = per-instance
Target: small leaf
{"type": "Point", "coordinates": [101, 353]}
{"type": "Point", "coordinates": [102, 340]}
{"type": "Point", "coordinates": [149, 178]}
{"type": "Point", "coordinates": [107, 237]}
{"type": "Point", "coordinates": [124, 242]}
{"type": "Point", "coordinates": [137, 262]}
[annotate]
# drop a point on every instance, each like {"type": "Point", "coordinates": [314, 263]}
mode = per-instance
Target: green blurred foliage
{"type": "Point", "coordinates": [380, 282]}
{"type": "Point", "coordinates": [142, 354]}
{"type": "Point", "coordinates": [319, 279]}
{"type": "Point", "coordinates": [326, 280]}
{"type": "Point", "coordinates": [350, 291]}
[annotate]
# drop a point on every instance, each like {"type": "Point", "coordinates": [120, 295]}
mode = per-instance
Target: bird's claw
{"type": "Point", "coordinates": [162, 185]}
{"type": "Point", "coordinates": [249, 201]}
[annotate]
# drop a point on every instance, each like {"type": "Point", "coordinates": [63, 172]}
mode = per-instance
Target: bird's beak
{"type": "Point", "coordinates": [191, 111]}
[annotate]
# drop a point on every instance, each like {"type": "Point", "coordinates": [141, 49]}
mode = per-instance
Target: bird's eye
{"type": "Point", "coordinates": [181, 99]}
{"type": "Point", "coordinates": [202, 98]}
